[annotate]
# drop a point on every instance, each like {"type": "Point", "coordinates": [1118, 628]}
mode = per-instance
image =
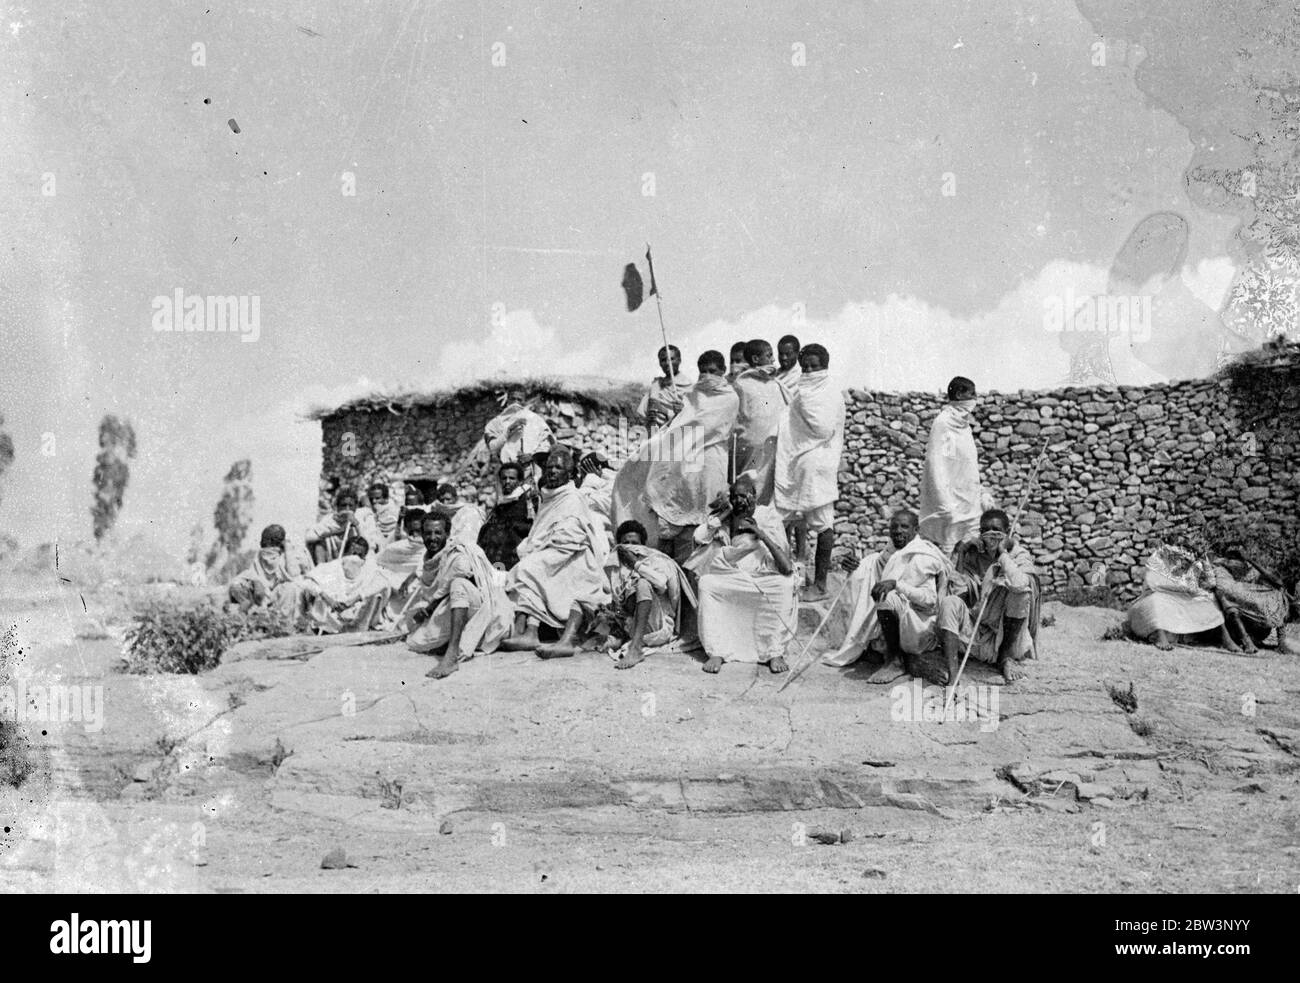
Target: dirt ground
{"type": "Point", "coordinates": [522, 775]}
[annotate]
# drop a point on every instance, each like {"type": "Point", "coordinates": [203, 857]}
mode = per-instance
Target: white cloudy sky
{"type": "Point", "coordinates": [778, 187]}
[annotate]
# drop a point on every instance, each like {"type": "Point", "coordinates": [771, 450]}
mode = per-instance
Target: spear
{"type": "Point", "coordinates": [663, 332]}
{"type": "Point", "coordinates": [988, 590]}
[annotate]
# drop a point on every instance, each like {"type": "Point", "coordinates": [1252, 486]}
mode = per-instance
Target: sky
{"type": "Point", "coordinates": [905, 182]}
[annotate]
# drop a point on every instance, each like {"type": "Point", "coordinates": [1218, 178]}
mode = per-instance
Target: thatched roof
{"type": "Point", "coordinates": [594, 391]}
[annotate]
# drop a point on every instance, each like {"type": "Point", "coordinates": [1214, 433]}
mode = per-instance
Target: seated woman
{"type": "Point", "coordinates": [1179, 603]}
{"type": "Point", "coordinates": [648, 588]}
{"type": "Point", "coordinates": [511, 518]}
{"type": "Point", "coordinates": [1253, 600]}
{"type": "Point", "coordinates": [746, 581]}
{"type": "Point", "coordinates": [347, 594]}
{"type": "Point", "coordinates": [468, 610]}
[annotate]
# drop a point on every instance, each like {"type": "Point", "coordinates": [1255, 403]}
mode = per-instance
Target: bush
{"type": "Point", "coordinates": [170, 638]}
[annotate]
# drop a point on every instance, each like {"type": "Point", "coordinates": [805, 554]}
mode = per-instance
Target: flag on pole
{"type": "Point", "coordinates": [634, 286]}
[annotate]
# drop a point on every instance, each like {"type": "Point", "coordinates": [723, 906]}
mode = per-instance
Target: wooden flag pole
{"type": "Point", "coordinates": [663, 332]}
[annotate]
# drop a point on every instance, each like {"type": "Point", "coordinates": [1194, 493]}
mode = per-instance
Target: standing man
{"type": "Point", "coordinates": [808, 448]}
{"type": "Point", "coordinates": [763, 403]}
{"type": "Point", "coordinates": [951, 495]}
{"type": "Point", "coordinates": [738, 362]}
{"type": "Point", "coordinates": [787, 362]}
{"type": "Point", "coordinates": [664, 400]}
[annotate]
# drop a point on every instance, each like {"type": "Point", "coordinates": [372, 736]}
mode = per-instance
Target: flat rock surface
{"type": "Point", "coordinates": [522, 774]}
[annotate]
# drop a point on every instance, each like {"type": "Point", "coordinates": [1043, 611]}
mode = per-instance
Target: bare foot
{"type": "Point", "coordinates": [556, 650]}
{"type": "Point", "coordinates": [520, 643]}
{"type": "Point", "coordinates": [630, 658]}
{"type": "Point", "coordinates": [778, 665]}
{"type": "Point", "coordinates": [713, 665]}
{"type": "Point", "coordinates": [813, 593]}
{"type": "Point", "coordinates": [443, 669]}
{"type": "Point", "coordinates": [1011, 671]}
{"type": "Point", "coordinates": [1163, 642]}
{"type": "Point", "coordinates": [1248, 645]}
{"type": "Point", "coordinates": [912, 665]}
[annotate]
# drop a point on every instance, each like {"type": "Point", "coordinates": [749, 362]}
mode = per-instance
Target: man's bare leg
{"type": "Point", "coordinates": [821, 566]}
{"type": "Point", "coordinates": [1228, 642]}
{"type": "Point", "coordinates": [1233, 623]}
{"type": "Point", "coordinates": [568, 642]}
{"type": "Point", "coordinates": [634, 653]}
{"type": "Point", "coordinates": [951, 656]}
{"type": "Point", "coordinates": [1162, 640]}
{"type": "Point", "coordinates": [451, 654]}
{"type": "Point", "coordinates": [890, 631]}
{"type": "Point", "coordinates": [524, 637]}
{"type": "Point", "coordinates": [1008, 657]}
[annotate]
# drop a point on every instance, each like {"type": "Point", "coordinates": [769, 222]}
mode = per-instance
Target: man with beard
{"type": "Point", "coordinates": [560, 578]}
{"type": "Point", "coordinates": [468, 610]}
{"type": "Point", "coordinates": [894, 598]}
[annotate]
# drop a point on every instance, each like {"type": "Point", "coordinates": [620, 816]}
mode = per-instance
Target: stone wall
{"type": "Point", "coordinates": [1119, 462]}
{"type": "Point", "coordinates": [446, 439]}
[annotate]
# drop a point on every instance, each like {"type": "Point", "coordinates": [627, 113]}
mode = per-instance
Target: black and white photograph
{"type": "Point", "coordinates": [656, 447]}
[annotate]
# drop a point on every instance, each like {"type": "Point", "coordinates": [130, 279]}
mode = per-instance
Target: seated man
{"type": "Point", "coordinates": [560, 578]}
{"type": "Point", "coordinates": [468, 610]}
{"type": "Point", "coordinates": [330, 535]}
{"type": "Point", "coordinates": [270, 579]}
{"type": "Point", "coordinates": [896, 597]}
{"type": "Point", "coordinates": [1179, 603]}
{"type": "Point", "coordinates": [648, 590]}
{"type": "Point", "coordinates": [807, 466]}
{"type": "Point", "coordinates": [400, 562]}
{"type": "Point", "coordinates": [995, 564]}
{"type": "Point", "coordinates": [1252, 598]}
{"type": "Point", "coordinates": [379, 513]}
{"type": "Point", "coordinates": [746, 582]}
{"type": "Point", "coordinates": [347, 594]}
{"type": "Point", "coordinates": [511, 517]}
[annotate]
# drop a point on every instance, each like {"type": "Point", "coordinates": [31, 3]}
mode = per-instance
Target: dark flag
{"type": "Point", "coordinates": [633, 286]}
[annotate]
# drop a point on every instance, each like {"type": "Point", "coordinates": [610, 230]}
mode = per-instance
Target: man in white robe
{"type": "Point", "coordinates": [787, 363]}
{"type": "Point", "coordinates": [560, 579]}
{"type": "Point", "coordinates": [762, 407]}
{"type": "Point", "coordinates": [468, 610]}
{"type": "Point", "coordinates": [808, 448]}
{"type": "Point", "coordinates": [747, 605]}
{"type": "Point", "coordinates": [348, 594]}
{"type": "Point", "coordinates": [668, 483]}
{"type": "Point", "coordinates": [951, 496]}
{"type": "Point", "coordinates": [894, 598]}
{"type": "Point", "coordinates": [272, 578]}
{"type": "Point", "coordinates": [663, 400]}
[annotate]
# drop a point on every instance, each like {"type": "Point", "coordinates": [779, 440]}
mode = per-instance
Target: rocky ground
{"type": "Point", "coordinates": [327, 765]}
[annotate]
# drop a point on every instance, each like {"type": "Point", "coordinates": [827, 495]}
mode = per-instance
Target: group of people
{"type": "Point", "coordinates": [698, 543]}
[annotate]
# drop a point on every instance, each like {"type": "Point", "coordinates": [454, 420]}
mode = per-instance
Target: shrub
{"type": "Point", "coordinates": [170, 638]}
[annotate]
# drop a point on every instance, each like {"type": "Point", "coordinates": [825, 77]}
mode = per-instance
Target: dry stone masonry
{"type": "Point", "coordinates": [1120, 461]}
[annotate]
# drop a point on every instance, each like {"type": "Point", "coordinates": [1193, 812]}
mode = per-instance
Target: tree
{"type": "Point", "coordinates": [6, 448]}
{"type": "Point", "coordinates": [116, 448]}
{"type": "Point", "coordinates": [234, 512]}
